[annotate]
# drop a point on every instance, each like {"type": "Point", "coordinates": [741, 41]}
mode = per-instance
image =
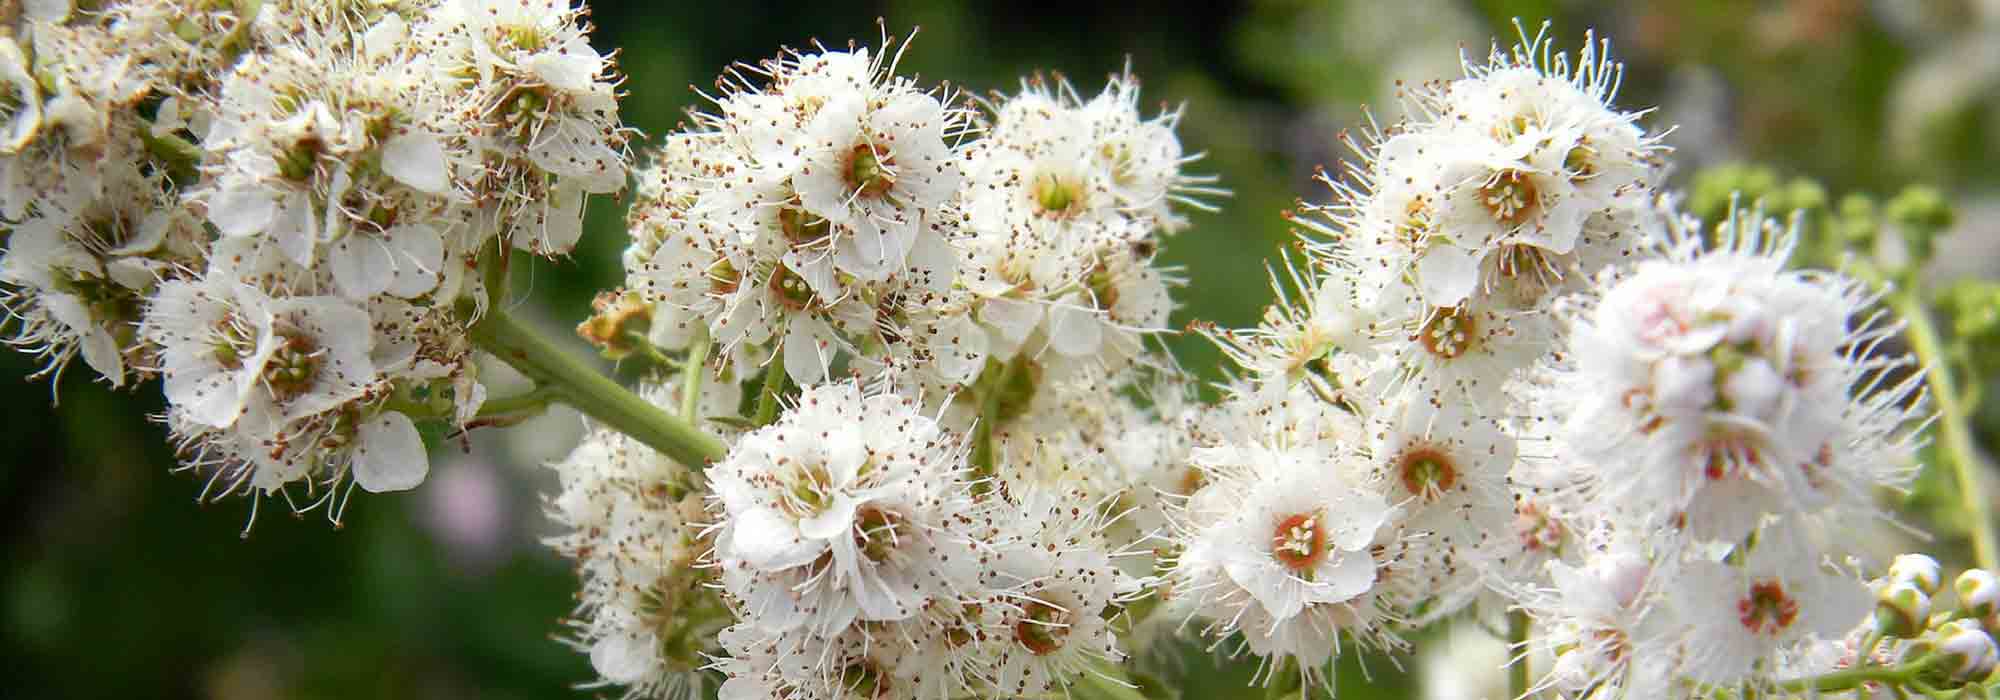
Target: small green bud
{"type": "Point", "coordinates": [1921, 206]}
{"type": "Point", "coordinates": [1978, 592]}
{"type": "Point", "coordinates": [1919, 569]}
{"type": "Point", "coordinates": [1965, 651]}
{"type": "Point", "coordinates": [1920, 213]}
{"type": "Point", "coordinates": [1901, 610]}
{"type": "Point", "coordinates": [1805, 195]}
{"type": "Point", "coordinates": [1856, 224]}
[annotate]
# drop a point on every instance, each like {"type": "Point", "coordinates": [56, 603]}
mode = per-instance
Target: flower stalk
{"type": "Point", "coordinates": [576, 384]}
{"type": "Point", "coordinates": [1954, 432]}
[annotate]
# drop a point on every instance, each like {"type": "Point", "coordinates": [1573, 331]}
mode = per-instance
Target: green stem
{"type": "Point", "coordinates": [1851, 678]}
{"type": "Point", "coordinates": [532, 401]}
{"type": "Point", "coordinates": [989, 415]}
{"type": "Point", "coordinates": [775, 380]}
{"type": "Point", "coordinates": [697, 363]}
{"type": "Point", "coordinates": [1954, 429]}
{"type": "Point", "coordinates": [582, 387]}
{"type": "Point", "coordinates": [1103, 681]}
{"type": "Point", "coordinates": [1517, 646]}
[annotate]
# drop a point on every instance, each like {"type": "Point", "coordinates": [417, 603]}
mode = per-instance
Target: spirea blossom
{"type": "Point", "coordinates": [277, 208]}
{"type": "Point", "coordinates": [1723, 387]}
{"type": "Point", "coordinates": [903, 428]}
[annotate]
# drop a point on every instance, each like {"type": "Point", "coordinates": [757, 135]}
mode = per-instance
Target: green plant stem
{"type": "Point", "coordinates": [532, 401]}
{"type": "Point", "coordinates": [697, 363]}
{"type": "Point", "coordinates": [577, 384]}
{"type": "Point", "coordinates": [989, 415]}
{"type": "Point", "coordinates": [1954, 429]}
{"type": "Point", "coordinates": [1517, 646]}
{"type": "Point", "coordinates": [1851, 678]}
{"type": "Point", "coordinates": [775, 380]}
{"type": "Point", "coordinates": [1103, 681]}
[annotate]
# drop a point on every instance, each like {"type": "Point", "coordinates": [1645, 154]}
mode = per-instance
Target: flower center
{"type": "Point", "coordinates": [1057, 197]}
{"type": "Point", "coordinates": [1416, 224]}
{"type": "Point", "coordinates": [1538, 531]}
{"type": "Point", "coordinates": [1103, 287]}
{"type": "Point", "coordinates": [1728, 359]}
{"type": "Point", "coordinates": [1042, 628]}
{"type": "Point", "coordinates": [868, 171]}
{"type": "Point", "coordinates": [296, 163]}
{"type": "Point", "coordinates": [806, 495]}
{"type": "Point", "coordinates": [1581, 161]}
{"type": "Point", "coordinates": [1511, 197]}
{"type": "Point", "coordinates": [1427, 472]}
{"type": "Point", "coordinates": [877, 533]}
{"type": "Point", "coordinates": [1299, 542]}
{"type": "Point", "coordinates": [723, 277]}
{"type": "Point", "coordinates": [791, 289]}
{"type": "Point", "coordinates": [863, 680]}
{"type": "Point", "coordinates": [522, 37]}
{"type": "Point", "coordinates": [802, 228]}
{"type": "Point", "coordinates": [1766, 609]}
{"type": "Point", "coordinates": [293, 367]}
{"type": "Point", "coordinates": [1449, 333]}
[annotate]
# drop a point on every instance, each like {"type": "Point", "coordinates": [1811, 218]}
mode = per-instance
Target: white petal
{"type": "Point", "coordinates": [1447, 273]}
{"type": "Point", "coordinates": [1013, 318]}
{"type": "Point", "coordinates": [382, 40]}
{"type": "Point", "coordinates": [362, 265]}
{"type": "Point", "coordinates": [806, 358]}
{"type": "Point", "coordinates": [244, 210]}
{"type": "Point", "coordinates": [1073, 329]}
{"type": "Point", "coordinates": [763, 539]}
{"type": "Point", "coordinates": [567, 71]}
{"type": "Point", "coordinates": [624, 658]}
{"type": "Point", "coordinates": [832, 521]}
{"type": "Point", "coordinates": [418, 253]}
{"type": "Point", "coordinates": [389, 454]}
{"type": "Point", "coordinates": [417, 159]}
{"type": "Point", "coordinates": [933, 261]}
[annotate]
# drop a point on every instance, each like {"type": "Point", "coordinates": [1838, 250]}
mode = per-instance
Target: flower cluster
{"type": "Point", "coordinates": [901, 429]}
{"type": "Point", "coordinates": [276, 209]}
{"type": "Point", "coordinates": [1509, 371]}
{"type": "Point", "coordinates": [979, 499]}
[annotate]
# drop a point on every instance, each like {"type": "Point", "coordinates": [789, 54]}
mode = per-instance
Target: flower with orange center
{"type": "Point", "coordinates": [1042, 628]}
{"type": "Point", "coordinates": [870, 170]}
{"type": "Point", "coordinates": [1299, 543]}
{"type": "Point", "coordinates": [1765, 609]}
{"type": "Point", "coordinates": [1512, 197]}
{"type": "Point", "coordinates": [1427, 472]}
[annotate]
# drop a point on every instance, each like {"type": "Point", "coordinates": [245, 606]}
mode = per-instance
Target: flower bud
{"type": "Point", "coordinates": [619, 326]}
{"type": "Point", "coordinates": [1919, 569]}
{"type": "Point", "coordinates": [1966, 651]}
{"type": "Point", "coordinates": [1978, 592]}
{"type": "Point", "coordinates": [1901, 609]}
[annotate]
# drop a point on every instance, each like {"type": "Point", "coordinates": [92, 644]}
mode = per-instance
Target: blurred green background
{"type": "Point", "coordinates": [115, 584]}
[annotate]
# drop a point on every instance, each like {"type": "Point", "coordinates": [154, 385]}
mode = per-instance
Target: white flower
{"type": "Point", "coordinates": [1742, 613]}
{"type": "Point", "coordinates": [1719, 387]}
{"type": "Point", "coordinates": [1283, 535]}
{"type": "Point", "coordinates": [215, 338]}
{"type": "Point", "coordinates": [319, 360]}
{"type": "Point", "coordinates": [1597, 619]}
{"type": "Point", "coordinates": [1446, 471]}
{"type": "Point", "coordinates": [1053, 578]}
{"type": "Point", "coordinates": [847, 507]}
{"type": "Point", "coordinates": [876, 170]}
{"type": "Point", "coordinates": [646, 613]}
